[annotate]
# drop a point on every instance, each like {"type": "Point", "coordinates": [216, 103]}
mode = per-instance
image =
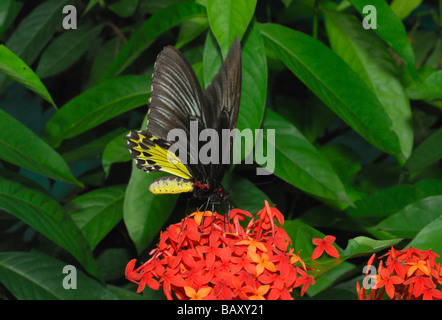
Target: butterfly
{"type": "Point", "coordinates": [176, 102]}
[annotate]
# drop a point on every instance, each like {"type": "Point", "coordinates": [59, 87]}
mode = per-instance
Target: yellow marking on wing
{"type": "Point", "coordinates": [163, 158]}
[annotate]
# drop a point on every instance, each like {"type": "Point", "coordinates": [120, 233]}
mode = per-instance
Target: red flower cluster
{"type": "Point", "coordinates": [213, 258]}
{"type": "Point", "coordinates": [409, 274]}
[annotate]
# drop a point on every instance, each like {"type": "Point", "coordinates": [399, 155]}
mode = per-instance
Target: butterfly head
{"type": "Point", "coordinates": [213, 192]}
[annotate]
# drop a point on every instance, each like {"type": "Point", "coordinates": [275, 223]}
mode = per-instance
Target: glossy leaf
{"type": "Point", "coordinates": [160, 22]}
{"type": "Point", "coordinates": [254, 81]}
{"type": "Point", "coordinates": [339, 87]}
{"type": "Point", "coordinates": [66, 49]}
{"type": "Point", "coordinates": [90, 5]}
{"type": "Point", "coordinates": [409, 221]}
{"type": "Point", "coordinates": [36, 276]}
{"type": "Point", "coordinates": [244, 194]}
{"type": "Point", "coordinates": [190, 29]}
{"type": "Point", "coordinates": [429, 237]}
{"type": "Point", "coordinates": [8, 12]}
{"type": "Point", "coordinates": [390, 29]}
{"type": "Point", "coordinates": [115, 151]}
{"type": "Point", "coordinates": [35, 31]}
{"type": "Point", "coordinates": [402, 8]}
{"type": "Point", "coordinates": [302, 236]}
{"type": "Point", "coordinates": [97, 212]}
{"type": "Point", "coordinates": [426, 154]}
{"type": "Point", "coordinates": [372, 61]}
{"type": "Point", "coordinates": [25, 200]}
{"type": "Point", "coordinates": [18, 70]}
{"type": "Point", "coordinates": [385, 202]}
{"type": "Point", "coordinates": [20, 146]}
{"type": "Point", "coordinates": [431, 88]}
{"type": "Point", "coordinates": [212, 59]}
{"type": "Point", "coordinates": [145, 213]}
{"type": "Point", "coordinates": [229, 18]}
{"type": "Point", "coordinates": [95, 106]}
{"type": "Point", "coordinates": [298, 162]}
{"type": "Point", "coordinates": [124, 8]}
{"type": "Point", "coordinates": [91, 149]}
{"type": "Point", "coordinates": [364, 246]}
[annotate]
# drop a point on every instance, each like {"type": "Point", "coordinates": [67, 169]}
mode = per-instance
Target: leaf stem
{"type": "Point", "coordinates": [315, 19]}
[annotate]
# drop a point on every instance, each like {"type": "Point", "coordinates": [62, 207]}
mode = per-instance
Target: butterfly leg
{"type": "Point", "coordinates": [213, 216]}
{"type": "Point", "coordinates": [185, 216]}
{"type": "Point", "coordinates": [228, 214]}
{"type": "Point", "coordinates": [204, 213]}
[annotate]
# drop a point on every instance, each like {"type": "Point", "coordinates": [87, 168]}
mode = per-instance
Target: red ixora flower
{"type": "Point", "coordinates": [409, 274]}
{"type": "Point", "coordinates": [224, 259]}
{"type": "Point", "coordinates": [325, 244]}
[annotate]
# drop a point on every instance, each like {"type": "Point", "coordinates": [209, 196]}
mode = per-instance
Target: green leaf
{"type": "Point", "coordinates": [90, 5]}
{"type": "Point", "coordinates": [103, 58]}
{"type": "Point", "coordinates": [97, 212]}
{"type": "Point", "coordinates": [190, 29]}
{"type": "Point", "coordinates": [18, 70]}
{"type": "Point", "coordinates": [212, 59]}
{"type": "Point", "coordinates": [298, 162]}
{"type": "Point", "coordinates": [244, 194]}
{"type": "Point", "coordinates": [402, 8]}
{"type": "Point", "coordinates": [143, 212]}
{"type": "Point", "coordinates": [407, 223]}
{"type": "Point", "coordinates": [126, 294]}
{"type": "Point", "coordinates": [35, 31]}
{"type": "Point", "coordinates": [36, 276]}
{"type": "Point", "coordinates": [229, 18]}
{"type": "Point", "coordinates": [124, 8]}
{"type": "Point", "coordinates": [360, 246]}
{"type": "Point", "coordinates": [333, 81]}
{"type": "Point", "coordinates": [92, 149]}
{"type": "Point", "coordinates": [25, 200]}
{"type": "Point", "coordinates": [372, 61]}
{"type": "Point", "coordinates": [95, 106]}
{"type": "Point", "coordinates": [430, 89]}
{"type": "Point", "coordinates": [66, 49]}
{"type": "Point", "coordinates": [302, 236]}
{"type": "Point", "coordinates": [254, 82]}
{"type": "Point", "coordinates": [429, 237]}
{"type": "Point", "coordinates": [390, 29]}
{"type": "Point", "coordinates": [115, 151]}
{"type": "Point", "coordinates": [20, 146]}
{"type": "Point", "coordinates": [9, 10]}
{"type": "Point", "coordinates": [426, 154]}
{"type": "Point", "coordinates": [326, 280]}
{"type": "Point", "coordinates": [160, 22]}
{"type": "Point", "coordinates": [112, 262]}
{"type": "Point", "coordinates": [375, 207]}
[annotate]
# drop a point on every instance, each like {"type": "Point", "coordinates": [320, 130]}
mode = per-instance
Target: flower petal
{"type": "Point", "coordinates": [331, 251]}
{"type": "Point", "coordinates": [317, 252]}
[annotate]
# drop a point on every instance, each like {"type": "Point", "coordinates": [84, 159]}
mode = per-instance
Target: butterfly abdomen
{"type": "Point", "coordinates": [171, 185]}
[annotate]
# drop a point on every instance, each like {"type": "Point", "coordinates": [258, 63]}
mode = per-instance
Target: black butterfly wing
{"type": "Point", "coordinates": [177, 99]}
{"type": "Point", "coordinates": [223, 97]}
